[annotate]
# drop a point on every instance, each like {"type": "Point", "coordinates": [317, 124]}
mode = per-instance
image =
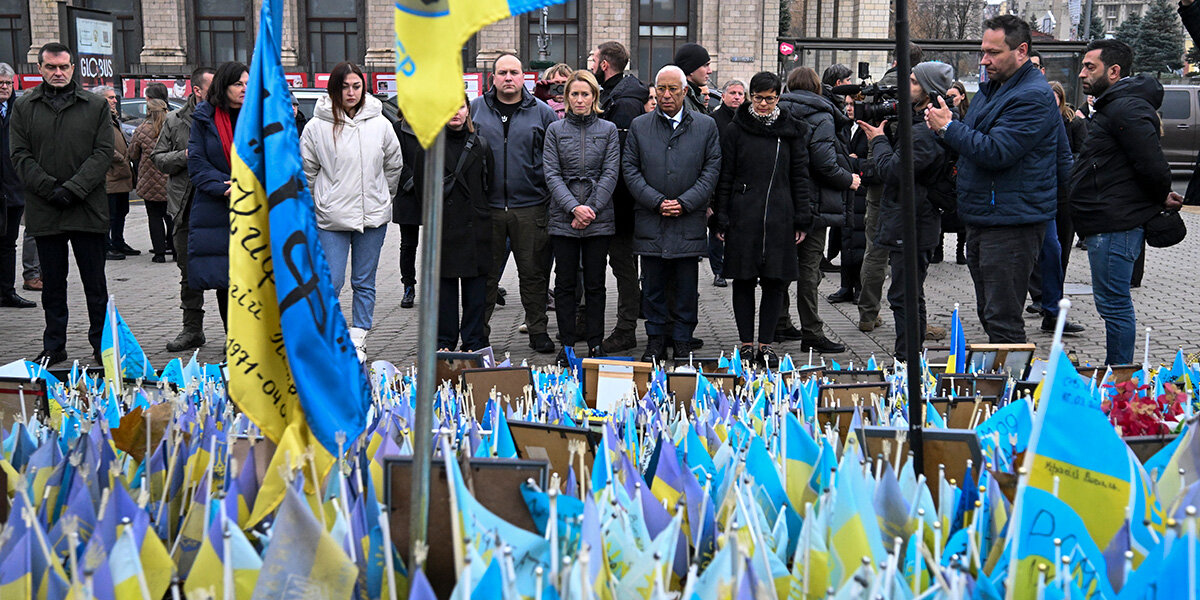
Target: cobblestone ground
{"type": "Point", "coordinates": [148, 297]}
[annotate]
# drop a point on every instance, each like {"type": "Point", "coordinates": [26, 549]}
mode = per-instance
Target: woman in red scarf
{"type": "Point", "coordinates": [208, 153]}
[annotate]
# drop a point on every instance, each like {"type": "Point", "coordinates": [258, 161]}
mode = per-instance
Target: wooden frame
{"type": "Point", "coordinates": [842, 394]}
{"type": "Point", "coordinates": [949, 447]}
{"type": "Point", "coordinates": [1146, 446]}
{"type": "Point", "coordinates": [996, 358]}
{"type": "Point", "coordinates": [591, 375]}
{"type": "Point", "coordinates": [1120, 373]}
{"type": "Point", "coordinates": [960, 411]}
{"type": "Point", "coordinates": [967, 385]}
{"type": "Point", "coordinates": [10, 399]}
{"type": "Point", "coordinates": [855, 376]}
{"type": "Point", "coordinates": [264, 449]}
{"type": "Point", "coordinates": [683, 385]}
{"type": "Point", "coordinates": [551, 443]}
{"type": "Point", "coordinates": [841, 418]}
{"type": "Point", "coordinates": [704, 364]}
{"type": "Point", "coordinates": [497, 486]}
{"type": "Point", "coordinates": [450, 365]}
{"type": "Point", "coordinates": [509, 383]}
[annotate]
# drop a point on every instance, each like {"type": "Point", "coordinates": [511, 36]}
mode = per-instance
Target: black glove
{"type": "Point", "coordinates": [62, 198]}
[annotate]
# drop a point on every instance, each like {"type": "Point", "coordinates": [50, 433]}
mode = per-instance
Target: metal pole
{"type": "Point", "coordinates": [912, 322]}
{"type": "Point", "coordinates": [431, 267]}
{"type": "Point", "coordinates": [1087, 20]}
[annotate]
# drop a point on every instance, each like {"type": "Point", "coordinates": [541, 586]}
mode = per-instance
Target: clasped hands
{"type": "Point", "coordinates": [584, 216]}
{"type": "Point", "coordinates": [670, 208]}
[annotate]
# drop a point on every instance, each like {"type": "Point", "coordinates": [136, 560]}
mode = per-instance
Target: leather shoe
{"type": "Point", "coordinates": [1048, 324]}
{"type": "Point", "coordinates": [822, 345]}
{"type": "Point", "coordinates": [790, 334]}
{"type": "Point", "coordinates": [842, 295]}
{"type": "Point", "coordinates": [125, 249]}
{"type": "Point", "coordinates": [541, 343]}
{"type": "Point", "coordinates": [719, 281]}
{"type": "Point", "coordinates": [15, 301]}
{"type": "Point", "coordinates": [186, 340]}
{"type": "Point", "coordinates": [159, 258]}
{"type": "Point", "coordinates": [827, 266]}
{"type": "Point", "coordinates": [697, 343]}
{"type": "Point", "coordinates": [114, 255]}
{"type": "Point", "coordinates": [597, 351]}
{"type": "Point", "coordinates": [682, 349]}
{"type": "Point", "coordinates": [410, 296]}
{"type": "Point", "coordinates": [52, 356]}
{"type": "Point", "coordinates": [619, 341]}
{"type": "Point", "coordinates": [33, 285]}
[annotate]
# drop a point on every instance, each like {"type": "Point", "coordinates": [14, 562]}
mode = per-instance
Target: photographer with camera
{"type": "Point", "coordinates": [1012, 148]}
{"type": "Point", "coordinates": [928, 79]}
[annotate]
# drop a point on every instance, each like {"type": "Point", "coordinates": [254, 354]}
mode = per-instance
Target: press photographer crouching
{"type": "Point", "coordinates": [931, 163]}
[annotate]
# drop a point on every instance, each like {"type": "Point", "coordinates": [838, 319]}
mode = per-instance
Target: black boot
{"type": "Point", "coordinates": [410, 295]}
{"type": "Point", "coordinates": [961, 255]}
{"type": "Point", "coordinates": [655, 350]}
{"type": "Point", "coordinates": [192, 335]}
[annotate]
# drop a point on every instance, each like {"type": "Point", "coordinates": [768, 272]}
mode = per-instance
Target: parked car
{"type": "Point", "coordinates": [1181, 125]}
{"type": "Point", "coordinates": [133, 113]}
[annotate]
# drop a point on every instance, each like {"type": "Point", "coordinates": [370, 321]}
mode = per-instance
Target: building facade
{"type": "Point", "coordinates": [170, 37]}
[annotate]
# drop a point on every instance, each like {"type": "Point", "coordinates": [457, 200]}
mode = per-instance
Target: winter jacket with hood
{"type": "Point", "coordinates": [151, 183]}
{"type": "Point", "coordinates": [62, 138]}
{"type": "Point", "coordinates": [518, 181]}
{"type": "Point", "coordinates": [170, 156]}
{"type": "Point", "coordinates": [352, 173]}
{"type": "Point", "coordinates": [682, 164]}
{"type": "Point", "coordinates": [1121, 178]}
{"type": "Point", "coordinates": [622, 99]}
{"type": "Point", "coordinates": [582, 160]}
{"type": "Point", "coordinates": [1013, 152]}
{"type": "Point", "coordinates": [763, 195]}
{"type": "Point", "coordinates": [827, 154]}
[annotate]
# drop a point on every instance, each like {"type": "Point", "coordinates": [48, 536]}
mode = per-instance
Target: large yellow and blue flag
{"type": "Point", "coordinates": [429, 38]}
{"type": "Point", "coordinates": [289, 353]}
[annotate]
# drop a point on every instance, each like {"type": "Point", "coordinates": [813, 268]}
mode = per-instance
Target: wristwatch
{"type": "Point", "coordinates": [941, 132]}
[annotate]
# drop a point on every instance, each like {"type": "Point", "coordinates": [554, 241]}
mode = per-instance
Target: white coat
{"type": "Point", "coordinates": [353, 177]}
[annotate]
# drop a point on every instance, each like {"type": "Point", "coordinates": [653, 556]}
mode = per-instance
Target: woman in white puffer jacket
{"type": "Point", "coordinates": [352, 160]}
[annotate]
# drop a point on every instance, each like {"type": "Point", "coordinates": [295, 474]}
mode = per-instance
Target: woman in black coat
{"type": "Point", "coordinates": [1077, 129]}
{"type": "Point", "coordinates": [854, 231]}
{"type": "Point", "coordinates": [406, 212]}
{"type": "Point", "coordinates": [466, 227]}
{"type": "Point", "coordinates": [209, 147]}
{"type": "Point", "coordinates": [763, 209]}
{"type": "Point", "coordinates": [929, 158]}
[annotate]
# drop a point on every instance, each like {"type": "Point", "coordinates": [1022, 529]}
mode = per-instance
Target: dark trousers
{"type": "Point", "coordinates": [716, 254]}
{"type": "Point", "coordinates": [769, 307]}
{"type": "Point", "coordinates": [569, 254]}
{"type": "Point", "coordinates": [190, 300]}
{"type": "Point", "coordinates": [118, 208]}
{"type": "Point", "coordinates": [8, 250]}
{"type": "Point", "coordinates": [474, 303]}
{"type": "Point", "coordinates": [850, 273]}
{"type": "Point", "coordinates": [409, 235]}
{"type": "Point", "coordinates": [895, 297]}
{"type": "Point", "coordinates": [162, 228]}
{"type": "Point", "coordinates": [1065, 228]}
{"type": "Point", "coordinates": [1000, 260]}
{"type": "Point", "coordinates": [657, 275]}
{"type": "Point", "coordinates": [526, 228]}
{"type": "Point", "coordinates": [629, 289]}
{"type": "Point", "coordinates": [89, 258]}
{"type": "Point", "coordinates": [833, 236]}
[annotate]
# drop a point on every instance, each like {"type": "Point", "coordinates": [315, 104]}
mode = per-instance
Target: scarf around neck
{"type": "Point", "coordinates": [225, 131]}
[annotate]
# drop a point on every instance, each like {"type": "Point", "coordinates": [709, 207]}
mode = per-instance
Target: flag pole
{"type": "Point", "coordinates": [431, 266]}
{"type": "Point", "coordinates": [912, 325]}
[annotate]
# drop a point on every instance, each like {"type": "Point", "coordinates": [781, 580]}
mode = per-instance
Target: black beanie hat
{"type": "Point", "coordinates": [690, 56]}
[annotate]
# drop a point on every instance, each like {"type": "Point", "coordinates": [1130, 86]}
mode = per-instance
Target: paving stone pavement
{"type": "Point", "coordinates": [148, 296]}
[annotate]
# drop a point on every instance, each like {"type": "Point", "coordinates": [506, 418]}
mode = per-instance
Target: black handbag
{"type": "Point", "coordinates": [1165, 229]}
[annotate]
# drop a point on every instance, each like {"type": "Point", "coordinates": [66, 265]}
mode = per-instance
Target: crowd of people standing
{"type": "Point", "coordinates": [595, 170]}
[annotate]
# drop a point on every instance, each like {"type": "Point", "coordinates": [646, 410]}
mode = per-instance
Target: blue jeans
{"type": "Point", "coordinates": [716, 254]}
{"type": "Point", "coordinates": [1111, 256]}
{"type": "Point", "coordinates": [1050, 264]}
{"type": "Point", "coordinates": [364, 249]}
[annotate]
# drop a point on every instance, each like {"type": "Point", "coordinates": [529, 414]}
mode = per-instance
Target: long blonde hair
{"type": "Point", "coordinates": [1068, 113]}
{"type": "Point", "coordinates": [156, 115]}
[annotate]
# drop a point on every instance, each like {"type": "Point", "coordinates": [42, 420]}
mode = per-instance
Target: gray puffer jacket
{"type": "Point", "coordinates": [518, 181]}
{"type": "Point", "coordinates": [582, 159]}
{"type": "Point", "coordinates": [681, 164]}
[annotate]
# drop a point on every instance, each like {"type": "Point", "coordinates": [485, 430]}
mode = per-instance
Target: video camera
{"type": "Point", "coordinates": [881, 101]}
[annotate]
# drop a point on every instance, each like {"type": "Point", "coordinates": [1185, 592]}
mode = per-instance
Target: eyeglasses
{"type": "Point", "coordinates": [668, 89]}
{"type": "Point", "coordinates": [6, 83]}
{"type": "Point", "coordinates": [755, 98]}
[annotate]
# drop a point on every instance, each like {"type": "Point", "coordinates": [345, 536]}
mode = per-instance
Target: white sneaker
{"type": "Point", "coordinates": [523, 328]}
{"type": "Point", "coordinates": [358, 336]}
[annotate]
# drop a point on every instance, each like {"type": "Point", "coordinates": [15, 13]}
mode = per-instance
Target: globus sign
{"type": "Point", "coordinates": [94, 44]}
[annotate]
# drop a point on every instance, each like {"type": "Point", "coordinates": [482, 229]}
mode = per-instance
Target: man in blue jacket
{"type": "Point", "coordinates": [1009, 167]}
{"type": "Point", "coordinates": [514, 124]}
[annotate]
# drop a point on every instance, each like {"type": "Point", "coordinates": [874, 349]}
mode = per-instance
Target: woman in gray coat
{"type": "Point", "coordinates": [582, 158]}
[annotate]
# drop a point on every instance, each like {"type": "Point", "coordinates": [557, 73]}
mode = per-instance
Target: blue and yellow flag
{"type": "Point", "coordinates": [957, 361]}
{"type": "Point", "coordinates": [429, 39]}
{"type": "Point", "coordinates": [289, 352]}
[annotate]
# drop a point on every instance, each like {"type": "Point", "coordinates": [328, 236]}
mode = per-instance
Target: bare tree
{"type": "Point", "coordinates": [945, 19]}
